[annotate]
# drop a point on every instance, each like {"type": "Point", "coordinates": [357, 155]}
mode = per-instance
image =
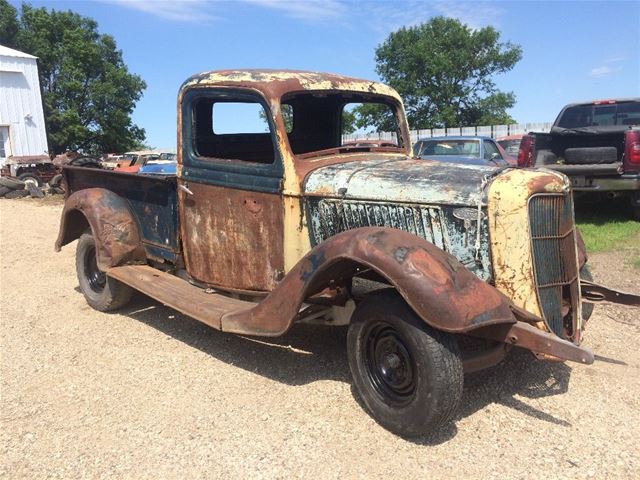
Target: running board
{"type": "Point", "coordinates": [179, 294]}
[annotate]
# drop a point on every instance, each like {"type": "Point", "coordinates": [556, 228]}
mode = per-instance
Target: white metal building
{"type": "Point", "coordinates": [22, 128]}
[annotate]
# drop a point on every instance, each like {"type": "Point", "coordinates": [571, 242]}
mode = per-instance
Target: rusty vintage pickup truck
{"type": "Point", "coordinates": [437, 269]}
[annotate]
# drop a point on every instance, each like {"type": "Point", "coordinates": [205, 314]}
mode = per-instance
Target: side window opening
{"type": "Point", "coordinates": [232, 130]}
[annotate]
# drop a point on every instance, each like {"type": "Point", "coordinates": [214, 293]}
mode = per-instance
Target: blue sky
{"type": "Point", "coordinates": [572, 50]}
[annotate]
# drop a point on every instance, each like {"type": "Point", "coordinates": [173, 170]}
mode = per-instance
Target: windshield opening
{"type": "Point", "coordinates": [580, 116]}
{"type": "Point", "coordinates": [326, 123]}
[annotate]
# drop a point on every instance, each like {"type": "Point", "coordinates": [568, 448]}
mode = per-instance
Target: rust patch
{"type": "Point", "coordinates": [439, 289]}
{"type": "Point", "coordinates": [521, 334]}
{"type": "Point", "coordinates": [114, 229]}
{"type": "Point", "coordinates": [232, 239]}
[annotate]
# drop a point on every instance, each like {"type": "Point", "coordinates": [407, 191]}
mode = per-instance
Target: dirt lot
{"type": "Point", "coordinates": [148, 393]}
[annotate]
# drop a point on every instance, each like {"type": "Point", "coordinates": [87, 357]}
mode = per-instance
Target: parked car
{"type": "Point", "coordinates": [147, 158]}
{"type": "Point", "coordinates": [163, 168]}
{"type": "Point", "coordinates": [438, 269]}
{"type": "Point", "coordinates": [596, 144]}
{"type": "Point", "coordinates": [463, 150]}
{"type": "Point", "coordinates": [511, 144]}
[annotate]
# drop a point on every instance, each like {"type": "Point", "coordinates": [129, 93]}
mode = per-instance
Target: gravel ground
{"type": "Point", "coordinates": [149, 393]}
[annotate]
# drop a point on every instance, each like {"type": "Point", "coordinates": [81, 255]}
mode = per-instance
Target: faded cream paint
{"type": "Point", "coordinates": [510, 237]}
{"type": "Point", "coordinates": [307, 80]}
{"type": "Point", "coordinates": [296, 232]}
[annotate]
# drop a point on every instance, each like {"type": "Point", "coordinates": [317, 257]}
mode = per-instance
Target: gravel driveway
{"type": "Point", "coordinates": [149, 393]}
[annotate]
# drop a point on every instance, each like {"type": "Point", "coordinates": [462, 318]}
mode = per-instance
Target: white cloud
{"type": "Point", "coordinates": [386, 17]}
{"type": "Point", "coordinates": [304, 9]}
{"type": "Point", "coordinates": [616, 59]}
{"type": "Point", "coordinates": [608, 67]}
{"type": "Point", "coordinates": [174, 10]}
{"type": "Point", "coordinates": [603, 71]}
{"type": "Point", "coordinates": [474, 14]}
{"type": "Point", "coordinates": [201, 10]}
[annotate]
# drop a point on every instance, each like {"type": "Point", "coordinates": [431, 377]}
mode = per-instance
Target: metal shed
{"type": "Point", "coordinates": [22, 127]}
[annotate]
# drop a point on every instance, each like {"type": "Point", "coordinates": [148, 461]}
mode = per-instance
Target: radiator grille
{"type": "Point", "coordinates": [554, 260]}
{"type": "Point", "coordinates": [329, 217]}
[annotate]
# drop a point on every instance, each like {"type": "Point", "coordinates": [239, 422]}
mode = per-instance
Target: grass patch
{"type": "Point", "coordinates": [607, 224]}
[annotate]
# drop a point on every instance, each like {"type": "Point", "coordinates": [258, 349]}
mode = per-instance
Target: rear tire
{"type": "Point", "coordinates": [101, 291]}
{"type": "Point", "coordinates": [408, 375]}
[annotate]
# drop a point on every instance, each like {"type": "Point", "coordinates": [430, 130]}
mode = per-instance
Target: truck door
{"type": "Point", "coordinates": [230, 185]}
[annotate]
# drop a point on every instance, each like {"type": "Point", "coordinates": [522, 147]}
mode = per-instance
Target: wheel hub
{"type": "Point", "coordinates": [390, 365]}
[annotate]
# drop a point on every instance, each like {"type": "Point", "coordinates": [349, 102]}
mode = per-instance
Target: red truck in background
{"type": "Point", "coordinates": [596, 144]}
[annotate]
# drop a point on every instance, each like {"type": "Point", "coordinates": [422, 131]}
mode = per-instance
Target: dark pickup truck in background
{"type": "Point", "coordinates": [596, 144]}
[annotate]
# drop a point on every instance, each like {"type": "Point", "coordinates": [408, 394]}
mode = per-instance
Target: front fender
{"type": "Point", "coordinates": [435, 284]}
{"type": "Point", "coordinates": [113, 226]}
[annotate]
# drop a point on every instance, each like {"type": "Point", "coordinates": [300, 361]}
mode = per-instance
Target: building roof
{"type": "Point", "coordinates": [278, 82]}
{"type": "Point", "coordinates": [10, 52]}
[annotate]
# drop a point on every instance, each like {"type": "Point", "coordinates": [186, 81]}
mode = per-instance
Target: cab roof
{"type": "Point", "coordinates": [275, 83]}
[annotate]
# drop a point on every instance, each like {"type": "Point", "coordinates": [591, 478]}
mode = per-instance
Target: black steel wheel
{"type": "Point", "coordinates": [389, 363]}
{"type": "Point", "coordinates": [408, 374]}
{"type": "Point", "coordinates": [96, 278]}
{"type": "Point", "coordinates": [101, 291]}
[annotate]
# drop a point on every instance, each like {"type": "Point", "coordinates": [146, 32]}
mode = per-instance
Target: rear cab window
{"type": "Point", "coordinates": [601, 115]}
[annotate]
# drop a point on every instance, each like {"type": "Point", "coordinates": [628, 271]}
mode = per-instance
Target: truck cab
{"type": "Point", "coordinates": [276, 223]}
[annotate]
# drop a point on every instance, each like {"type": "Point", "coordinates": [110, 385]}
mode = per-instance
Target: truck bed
{"type": "Point", "coordinates": [153, 202]}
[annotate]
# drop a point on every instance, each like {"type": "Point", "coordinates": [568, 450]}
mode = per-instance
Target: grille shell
{"type": "Point", "coordinates": [553, 249]}
{"type": "Point", "coordinates": [437, 224]}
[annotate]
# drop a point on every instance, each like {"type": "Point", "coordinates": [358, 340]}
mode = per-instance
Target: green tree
{"type": "Point", "coordinates": [348, 121]}
{"type": "Point", "coordinates": [88, 92]}
{"type": "Point", "coordinates": [8, 24]}
{"type": "Point", "coordinates": [444, 72]}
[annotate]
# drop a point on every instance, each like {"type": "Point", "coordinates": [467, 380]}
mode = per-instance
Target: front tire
{"type": "Point", "coordinates": [408, 375]}
{"type": "Point", "coordinates": [101, 291]}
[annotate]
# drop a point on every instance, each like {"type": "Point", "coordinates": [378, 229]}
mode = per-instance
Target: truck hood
{"type": "Point", "coordinates": [399, 179]}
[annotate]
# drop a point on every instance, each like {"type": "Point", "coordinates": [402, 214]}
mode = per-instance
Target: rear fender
{"type": "Point", "coordinates": [113, 226]}
{"type": "Point", "coordinates": [437, 286]}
